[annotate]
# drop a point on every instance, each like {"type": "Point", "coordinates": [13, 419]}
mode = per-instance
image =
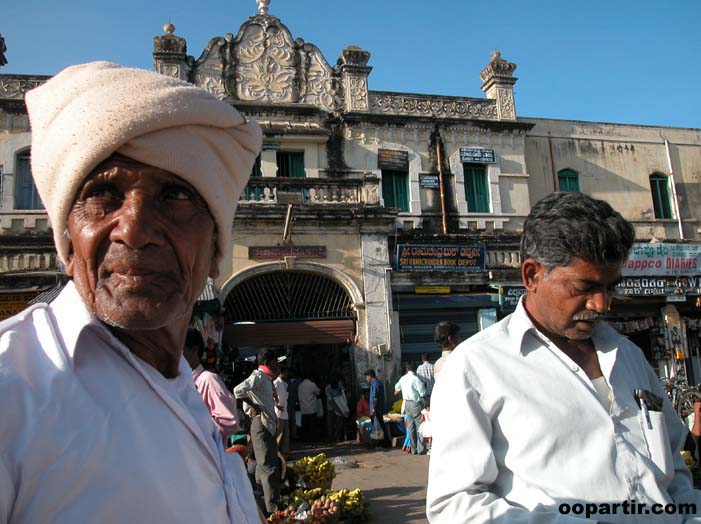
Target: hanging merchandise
{"type": "Point", "coordinates": [675, 336]}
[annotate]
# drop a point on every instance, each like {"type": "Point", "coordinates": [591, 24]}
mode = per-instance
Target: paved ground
{"type": "Point", "coordinates": [393, 482]}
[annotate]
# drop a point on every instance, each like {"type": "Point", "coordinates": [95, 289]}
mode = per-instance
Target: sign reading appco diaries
{"type": "Point", "coordinates": [663, 259]}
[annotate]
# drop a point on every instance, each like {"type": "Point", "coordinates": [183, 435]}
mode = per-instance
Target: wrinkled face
{"type": "Point", "coordinates": [569, 301]}
{"type": "Point", "coordinates": [142, 245]}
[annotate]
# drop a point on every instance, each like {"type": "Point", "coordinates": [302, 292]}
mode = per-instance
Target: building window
{"type": "Point", "coordinates": [290, 164]}
{"type": "Point", "coordinates": [568, 180]}
{"type": "Point", "coordinates": [256, 170]}
{"type": "Point", "coordinates": [476, 188]}
{"type": "Point", "coordinates": [659, 185]}
{"type": "Point", "coordinates": [26, 196]}
{"type": "Point", "coordinates": [395, 189]}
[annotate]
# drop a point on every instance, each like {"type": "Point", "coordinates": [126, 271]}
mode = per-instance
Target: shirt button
{"type": "Point", "coordinates": [575, 368]}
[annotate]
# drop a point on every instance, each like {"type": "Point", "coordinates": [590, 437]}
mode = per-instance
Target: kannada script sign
{"type": "Point", "coordinates": [478, 155]}
{"type": "Point", "coordinates": [440, 257]}
{"type": "Point", "coordinates": [663, 259]}
{"type": "Point", "coordinates": [393, 159]}
{"type": "Point", "coordinates": [278, 252]}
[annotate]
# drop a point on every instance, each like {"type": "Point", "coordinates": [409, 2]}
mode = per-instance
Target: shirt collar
{"type": "Point", "coordinates": [520, 324]}
{"type": "Point", "coordinates": [72, 318]}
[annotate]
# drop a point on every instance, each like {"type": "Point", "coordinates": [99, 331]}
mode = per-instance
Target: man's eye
{"type": "Point", "coordinates": [100, 191]}
{"type": "Point", "coordinates": [177, 193]}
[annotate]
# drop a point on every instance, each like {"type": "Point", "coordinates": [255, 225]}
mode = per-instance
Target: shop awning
{"type": "Point", "coordinates": [281, 333]}
{"type": "Point", "coordinates": [208, 301]}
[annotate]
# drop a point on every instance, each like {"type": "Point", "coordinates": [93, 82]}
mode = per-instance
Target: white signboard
{"type": "Point", "coordinates": [663, 259]}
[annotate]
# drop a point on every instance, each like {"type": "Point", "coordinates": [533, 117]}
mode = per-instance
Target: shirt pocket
{"type": "Point", "coordinates": [657, 440]}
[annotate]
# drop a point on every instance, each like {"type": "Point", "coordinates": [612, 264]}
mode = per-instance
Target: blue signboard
{"type": "Point", "coordinates": [510, 295]}
{"type": "Point", "coordinates": [440, 257]}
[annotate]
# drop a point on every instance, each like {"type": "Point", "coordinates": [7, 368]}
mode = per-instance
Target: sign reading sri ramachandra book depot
{"type": "Point", "coordinates": [440, 257]}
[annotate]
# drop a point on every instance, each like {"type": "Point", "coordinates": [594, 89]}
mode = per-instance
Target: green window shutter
{"type": "Point", "coordinates": [568, 180]}
{"type": "Point", "coordinates": [26, 196]}
{"type": "Point", "coordinates": [395, 189]}
{"type": "Point", "coordinates": [256, 170]}
{"type": "Point", "coordinates": [476, 188]}
{"type": "Point", "coordinates": [290, 164]}
{"type": "Point", "coordinates": [659, 185]}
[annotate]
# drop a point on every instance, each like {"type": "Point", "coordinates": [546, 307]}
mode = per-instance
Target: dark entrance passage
{"type": "Point", "coordinates": [305, 317]}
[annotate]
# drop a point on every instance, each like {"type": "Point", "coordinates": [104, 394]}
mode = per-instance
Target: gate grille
{"type": "Point", "coordinates": [287, 296]}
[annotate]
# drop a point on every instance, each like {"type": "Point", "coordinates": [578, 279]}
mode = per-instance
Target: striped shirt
{"type": "Point", "coordinates": [257, 391]}
{"type": "Point", "coordinates": [425, 373]}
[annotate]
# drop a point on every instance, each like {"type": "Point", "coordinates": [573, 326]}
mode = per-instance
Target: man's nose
{"type": "Point", "coordinates": [600, 301]}
{"type": "Point", "coordinates": [137, 224]}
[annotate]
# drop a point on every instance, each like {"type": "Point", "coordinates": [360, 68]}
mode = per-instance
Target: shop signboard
{"type": "Point", "coordinates": [428, 181]}
{"type": "Point", "coordinates": [477, 155]}
{"type": "Point", "coordinates": [279, 252]}
{"type": "Point", "coordinates": [13, 303]}
{"type": "Point", "coordinates": [663, 259]}
{"type": "Point", "coordinates": [509, 296]}
{"type": "Point", "coordinates": [659, 286]}
{"type": "Point", "coordinates": [393, 160]}
{"type": "Point", "coordinates": [432, 290]}
{"type": "Point", "coordinates": [440, 257]}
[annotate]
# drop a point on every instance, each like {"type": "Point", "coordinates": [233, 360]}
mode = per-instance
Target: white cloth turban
{"type": "Point", "coordinates": [88, 112]}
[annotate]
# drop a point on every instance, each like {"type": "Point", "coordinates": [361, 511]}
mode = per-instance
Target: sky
{"type": "Point", "coordinates": [626, 61]}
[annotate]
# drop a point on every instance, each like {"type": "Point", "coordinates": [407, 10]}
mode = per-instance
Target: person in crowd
{"type": "Point", "coordinates": [693, 421]}
{"type": "Point", "coordinates": [336, 407]}
{"type": "Point", "coordinates": [413, 392]}
{"type": "Point", "coordinates": [362, 408]}
{"type": "Point", "coordinates": [227, 364]}
{"type": "Point", "coordinates": [139, 174]}
{"type": "Point", "coordinates": [261, 400]}
{"type": "Point", "coordinates": [220, 403]}
{"type": "Point", "coordinates": [447, 335]}
{"type": "Point", "coordinates": [281, 410]}
{"type": "Point", "coordinates": [551, 408]}
{"type": "Point", "coordinates": [362, 417]}
{"type": "Point", "coordinates": [293, 402]}
{"type": "Point", "coordinates": [377, 401]}
{"type": "Point", "coordinates": [425, 373]}
{"type": "Point", "coordinates": [307, 393]}
{"type": "Point", "coordinates": [425, 428]}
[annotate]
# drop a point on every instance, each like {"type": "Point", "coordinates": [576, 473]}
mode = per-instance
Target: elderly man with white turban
{"type": "Point", "coordinates": [140, 175]}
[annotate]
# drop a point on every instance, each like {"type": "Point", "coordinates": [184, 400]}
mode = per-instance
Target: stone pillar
{"type": "Point", "coordinates": [170, 54]}
{"type": "Point", "coordinates": [354, 73]}
{"type": "Point", "coordinates": [498, 82]}
{"type": "Point", "coordinates": [380, 349]}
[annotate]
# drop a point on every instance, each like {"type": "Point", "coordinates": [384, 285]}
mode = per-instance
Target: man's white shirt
{"type": "Point", "coordinates": [411, 387]}
{"type": "Point", "coordinates": [90, 433]}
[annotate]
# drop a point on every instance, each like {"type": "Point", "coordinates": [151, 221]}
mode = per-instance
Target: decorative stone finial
{"type": "Point", "coordinates": [263, 6]}
{"type": "Point", "coordinates": [3, 48]}
{"type": "Point", "coordinates": [497, 67]}
{"type": "Point", "coordinates": [169, 28]}
{"type": "Point", "coordinates": [498, 82]}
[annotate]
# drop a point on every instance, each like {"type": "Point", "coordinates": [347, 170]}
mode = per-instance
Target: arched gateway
{"type": "Point", "coordinates": [308, 312]}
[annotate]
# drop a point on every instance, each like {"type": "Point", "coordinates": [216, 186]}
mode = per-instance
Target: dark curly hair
{"type": "Point", "coordinates": [568, 225]}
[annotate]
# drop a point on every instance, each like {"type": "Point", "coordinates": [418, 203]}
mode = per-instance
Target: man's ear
{"type": "Point", "coordinates": [69, 261]}
{"type": "Point", "coordinates": [214, 268]}
{"type": "Point", "coordinates": [531, 273]}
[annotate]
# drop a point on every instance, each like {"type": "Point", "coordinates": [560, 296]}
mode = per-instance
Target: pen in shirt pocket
{"type": "Point", "coordinates": [648, 401]}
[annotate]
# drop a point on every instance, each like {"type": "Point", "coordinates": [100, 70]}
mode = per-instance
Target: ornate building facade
{"type": "Point", "coordinates": [372, 215]}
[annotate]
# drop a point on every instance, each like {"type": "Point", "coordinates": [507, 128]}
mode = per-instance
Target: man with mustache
{"type": "Point", "coordinates": [550, 410]}
{"type": "Point", "coordinates": [140, 175]}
